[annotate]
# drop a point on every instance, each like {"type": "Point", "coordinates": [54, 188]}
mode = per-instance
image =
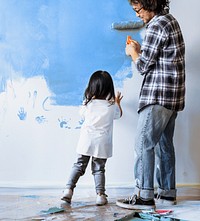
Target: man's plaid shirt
{"type": "Point", "coordinates": [162, 63]}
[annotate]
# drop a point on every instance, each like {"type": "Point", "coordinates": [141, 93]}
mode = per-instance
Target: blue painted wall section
{"type": "Point", "coordinates": [64, 41]}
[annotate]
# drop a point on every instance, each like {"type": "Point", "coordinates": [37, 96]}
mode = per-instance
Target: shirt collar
{"type": "Point", "coordinates": [155, 17]}
{"type": "Point", "coordinates": [151, 21]}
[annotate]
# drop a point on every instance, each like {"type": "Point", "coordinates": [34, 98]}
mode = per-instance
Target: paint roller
{"type": "Point", "coordinates": [124, 25]}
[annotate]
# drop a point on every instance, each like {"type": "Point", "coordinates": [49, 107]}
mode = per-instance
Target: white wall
{"type": "Point", "coordinates": [29, 159]}
{"type": "Point", "coordinates": [188, 125]}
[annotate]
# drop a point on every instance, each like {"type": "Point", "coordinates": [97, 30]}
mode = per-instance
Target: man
{"type": "Point", "coordinates": [161, 61]}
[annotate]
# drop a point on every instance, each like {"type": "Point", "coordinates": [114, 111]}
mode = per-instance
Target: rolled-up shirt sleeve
{"type": "Point", "coordinates": [151, 46]}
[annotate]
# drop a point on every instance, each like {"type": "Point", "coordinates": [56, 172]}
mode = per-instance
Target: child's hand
{"type": "Point", "coordinates": [118, 97]}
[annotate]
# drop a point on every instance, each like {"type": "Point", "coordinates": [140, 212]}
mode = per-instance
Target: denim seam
{"type": "Point", "coordinates": [141, 160]}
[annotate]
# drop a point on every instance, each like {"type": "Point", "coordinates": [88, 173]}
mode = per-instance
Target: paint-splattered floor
{"type": "Point", "coordinates": [36, 204]}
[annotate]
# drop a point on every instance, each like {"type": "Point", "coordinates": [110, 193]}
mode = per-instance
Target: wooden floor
{"type": "Point", "coordinates": [37, 204]}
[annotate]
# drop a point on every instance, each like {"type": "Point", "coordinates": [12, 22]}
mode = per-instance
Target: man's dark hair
{"type": "Point", "coordinates": [157, 6]}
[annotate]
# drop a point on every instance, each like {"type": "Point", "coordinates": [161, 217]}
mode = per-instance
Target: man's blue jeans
{"type": "Point", "coordinates": [154, 140]}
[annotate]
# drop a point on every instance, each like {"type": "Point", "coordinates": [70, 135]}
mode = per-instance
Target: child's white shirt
{"type": "Point", "coordinates": [96, 132]}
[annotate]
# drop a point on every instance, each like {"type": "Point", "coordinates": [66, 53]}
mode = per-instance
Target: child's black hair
{"type": "Point", "coordinates": [100, 86]}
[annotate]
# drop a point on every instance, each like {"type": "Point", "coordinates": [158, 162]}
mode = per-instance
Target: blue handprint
{"type": "Point", "coordinates": [80, 124]}
{"type": "Point", "coordinates": [40, 119]}
{"type": "Point", "coordinates": [22, 114]}
{"type": "Point", "coordinates": [63, 123]}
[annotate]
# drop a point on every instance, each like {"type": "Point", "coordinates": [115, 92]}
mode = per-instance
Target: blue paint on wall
{"type": "Point", "coordinates": [65, 41]}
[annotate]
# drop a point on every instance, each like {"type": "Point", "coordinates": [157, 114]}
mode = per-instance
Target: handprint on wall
{"type": "Point", "coordinates": [22, 114]}
{"type": "Point", "coordinates": [80, 122]}
{"type": "Point", "coordinates": [63, 123]}
{"type": "Point", "coordinates": [40, 119]}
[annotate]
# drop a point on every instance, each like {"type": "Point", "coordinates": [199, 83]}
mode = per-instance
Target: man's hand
{"type": "Point", "coordinates": [133, 49]}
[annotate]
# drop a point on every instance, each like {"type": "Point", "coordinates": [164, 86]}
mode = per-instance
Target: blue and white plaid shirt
{"type": "Point", "coordinates": [162, 63]}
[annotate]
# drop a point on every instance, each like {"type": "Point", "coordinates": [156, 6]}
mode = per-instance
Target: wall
{"type": "Point", "coordinates": [48, 51]}
{"type": "Point", "coordinates": [188, 125]}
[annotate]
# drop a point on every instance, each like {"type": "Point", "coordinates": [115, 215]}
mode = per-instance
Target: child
{"type": "Point", "coordinates": [100, 108]}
